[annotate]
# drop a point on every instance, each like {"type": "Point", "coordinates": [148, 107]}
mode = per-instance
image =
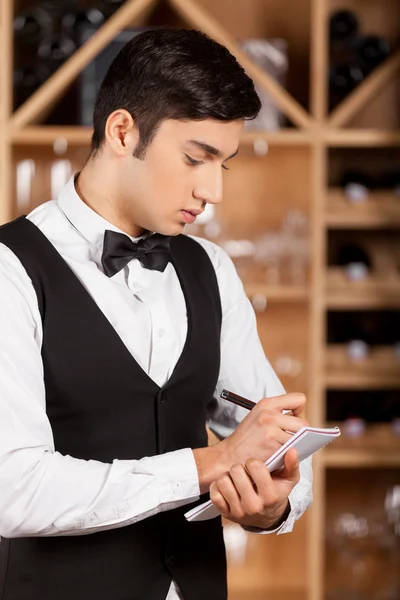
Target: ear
{"type": "Point", "coordinates": [121, 133]}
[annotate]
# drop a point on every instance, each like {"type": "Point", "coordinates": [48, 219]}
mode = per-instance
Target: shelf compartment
{"type": "Point", "coordinates": [379, 370]}
{"type": "Point", "coordinates": [378, 446]}
{"type": "Point", "coordinates": [375, 291]}
{"type": "Point", "coordinates": [380, 210]}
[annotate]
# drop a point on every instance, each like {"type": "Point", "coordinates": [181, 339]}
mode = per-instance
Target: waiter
{"type": "Point", "coordinates": [117, 335]}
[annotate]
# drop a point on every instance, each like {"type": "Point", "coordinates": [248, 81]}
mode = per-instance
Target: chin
{"type": "Point", "coordinates": [173, 229]}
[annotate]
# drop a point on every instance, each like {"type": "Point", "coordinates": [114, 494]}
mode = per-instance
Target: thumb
{"type": "Point", "coordinates": [291, 465]}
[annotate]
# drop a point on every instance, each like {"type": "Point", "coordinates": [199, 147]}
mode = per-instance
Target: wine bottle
{"type": "Point", "coordinates": [343, 79]}
{"type": "Point", "coordinates": [356, 261]}
{"type": "Point", "coordinates": [370, 51]}
{"type": "Point", "coordinates": [55, 49]}
{"type": "Point", "coordinates": [31, 26]}
{"type": "Point", "coordinates": [372, 406]}
{"type": "Point", "coordinates": [356, 184]}
{"type": "Point", "coordinates": [343, 25]}
{"type": "Point", "coordinates": [80, 24]}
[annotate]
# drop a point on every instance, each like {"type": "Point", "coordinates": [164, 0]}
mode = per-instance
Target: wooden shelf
{"type": "Point", "coordinates": [287, 293]}
{"type": "Point", "coordinates": [378, 447]}
{"type": "Point", "coordinates": [80, 135]}
{"type": "Point", "coordinates": [47, 134]}
{"type": "Point", "coordinates": [281, 137]}
{"type": "Point", "coordinates": [380, 210]}
{"type": "Point", "coordinates": [380, 369]}
{"type": "Point", "coordinates": [361, 137]}
{"type": "Point", "coordinates": [42, 135]}
{"type": "Point", "coordinates": [372, 292]}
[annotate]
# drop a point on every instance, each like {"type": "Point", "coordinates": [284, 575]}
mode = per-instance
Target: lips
{"type": "Point", "coordinates": [190, 216]}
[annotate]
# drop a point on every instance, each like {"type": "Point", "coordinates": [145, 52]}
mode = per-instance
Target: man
{"type": "Point", "coordinates": [117, 335]}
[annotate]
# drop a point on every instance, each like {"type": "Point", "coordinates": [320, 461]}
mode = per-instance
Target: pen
{"type": "Point", "coordinates": [236, 399]}
{"type": "Point", "coordinates": [244, 402]}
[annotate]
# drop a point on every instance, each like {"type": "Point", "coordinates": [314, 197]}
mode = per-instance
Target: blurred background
{"type": "Point", "coordinates": [311, 218]}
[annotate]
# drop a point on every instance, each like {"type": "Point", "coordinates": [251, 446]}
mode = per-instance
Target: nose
{"type": "Point", "coordinates": [209, 187]}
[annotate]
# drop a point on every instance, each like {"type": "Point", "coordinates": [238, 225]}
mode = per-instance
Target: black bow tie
{"type": "Point", "coordinates": [153, 252]}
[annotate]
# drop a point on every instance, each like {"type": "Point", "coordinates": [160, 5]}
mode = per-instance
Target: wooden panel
{"type": "Point", "coordinates": [378, 370]}
{"type": "Point", "coordinates": [283, 331]}
{"type": "Point", "coordinates": [271, 563]}
{"type": "Point", "coordinates": [368, 564]}
{"type": "Point", "coordinates": [6, 66]}
{"type": "Point", "coordinates": [40, 188]}
{"type": "Point", "coordinates": [378, 446]}
{"type": "Point", "coordinates": [258, 191]}
{"type": "Point", "coordinates": [372, 292]}
{"type": "Point", "coordinates": [382, 111]}
{"type": "Point", "coordinates": [380, 210]}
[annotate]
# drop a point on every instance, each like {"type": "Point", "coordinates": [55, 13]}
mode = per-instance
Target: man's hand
{"type": "Point", "coordinates": [258, 436]}
{"type": "Point", "coordinates": [264, 430]}
{"type": "Point", "coordinates": [251, 496]}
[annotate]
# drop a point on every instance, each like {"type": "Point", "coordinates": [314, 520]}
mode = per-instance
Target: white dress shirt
{"type": "Point", "coordinates": [43, 493]}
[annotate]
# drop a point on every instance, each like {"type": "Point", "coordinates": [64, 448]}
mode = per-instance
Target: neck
{"type": "Point", "coordinates": [97, 186]}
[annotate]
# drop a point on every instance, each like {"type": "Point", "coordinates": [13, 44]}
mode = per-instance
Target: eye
{"type": "Point", "coordinates": [225, 167]}
{"type": "Point", "coordinates": [193, 161]}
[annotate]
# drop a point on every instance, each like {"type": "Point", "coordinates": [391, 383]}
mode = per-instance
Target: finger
{"type": "Point", "coordinates": [244, 484]}
{"type": "Point", "coordinates": [295, 402]}
{"type": "Point", "coordinates": [218, 499]}
{"type": "Point", "coordinates": [279, 436]}
{"type": "Point", "coordinates": [230, 494]}
{"type": "Point", "coordinates": [262, 480]}
{"type": "Point", "coordinates": [289, 423]}
{"type": "Point", "coordinates": [290, 470]}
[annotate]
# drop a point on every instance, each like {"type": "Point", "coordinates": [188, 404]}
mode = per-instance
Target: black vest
{"type": "Point", "coordinates": [103, 406]}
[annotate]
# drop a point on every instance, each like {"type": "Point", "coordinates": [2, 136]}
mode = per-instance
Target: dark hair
{"type": "Point", "coordinates": [173, 74]}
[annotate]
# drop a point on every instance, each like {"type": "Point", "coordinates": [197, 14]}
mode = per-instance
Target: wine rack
{"type": "Point", "coordinates": [293, 170]}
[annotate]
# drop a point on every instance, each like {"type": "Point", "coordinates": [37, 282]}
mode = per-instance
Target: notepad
{"type": "Point", "coordinates": [306, 441]}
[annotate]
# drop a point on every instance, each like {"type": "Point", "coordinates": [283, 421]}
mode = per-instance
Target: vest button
{"type": "Point", "coordinates": [164, 397]}
{"type": "Point", "coordinates": [171, 560]}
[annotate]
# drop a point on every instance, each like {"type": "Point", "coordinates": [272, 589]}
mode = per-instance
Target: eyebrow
{"type": "Point", "coordinates": [210, 149]}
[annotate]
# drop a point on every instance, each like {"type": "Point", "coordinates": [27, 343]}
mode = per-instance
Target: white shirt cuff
{"type": "Point", "coordinates": [176, 474]}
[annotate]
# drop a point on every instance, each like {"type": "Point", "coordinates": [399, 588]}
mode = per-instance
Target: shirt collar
{"type": "Point", "coordinates": [85, 221]}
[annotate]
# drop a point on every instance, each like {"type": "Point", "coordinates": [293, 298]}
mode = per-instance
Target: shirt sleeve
{"type": "Point", "coordinates": [246, 371]}
{"type": "Point", "coordinates": [44, 493]}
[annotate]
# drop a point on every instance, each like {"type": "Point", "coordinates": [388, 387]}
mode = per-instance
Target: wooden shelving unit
{"type": "Point", "coordinates": [377, 447]}
{"type": "Point", "coordinates": [258, 191]}
{"type": "Point", "coordinates": [375, 291]}
{"type": "Point", "coordinates": [379, 370]}
{"type": "Point", "coordinates": [381, 210]}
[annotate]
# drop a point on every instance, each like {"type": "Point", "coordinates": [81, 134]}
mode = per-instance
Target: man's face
{"type": "Point", "coordinates": [181, 172]}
